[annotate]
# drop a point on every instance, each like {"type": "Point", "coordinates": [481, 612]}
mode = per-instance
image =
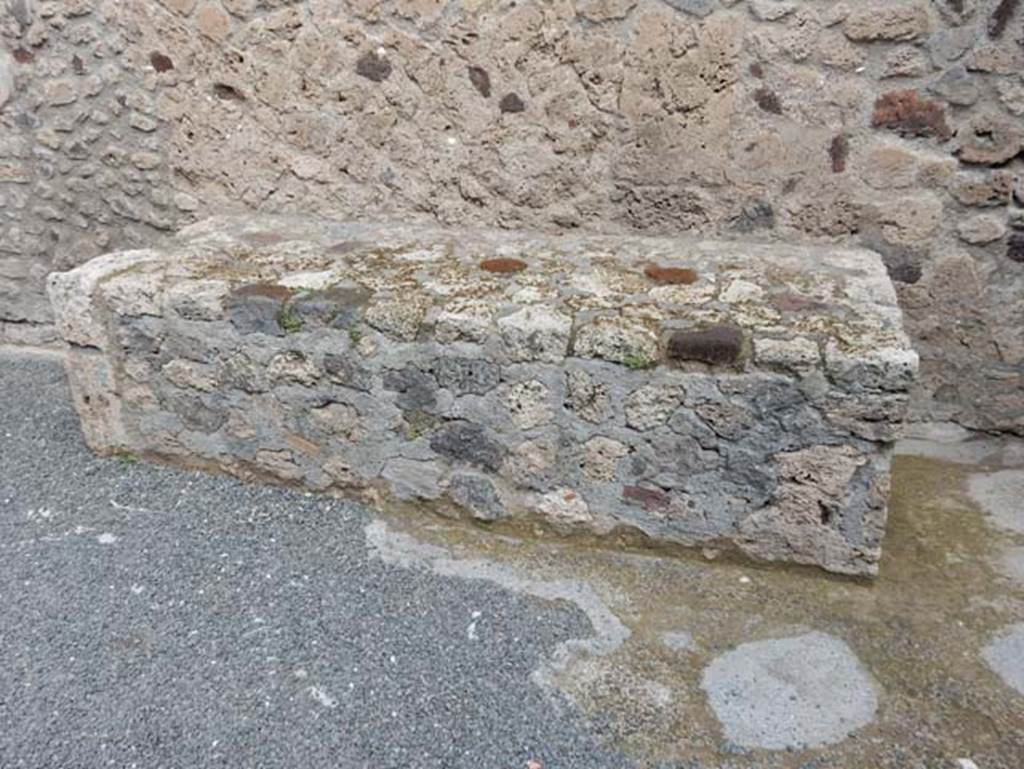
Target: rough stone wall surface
{"type": "Point", "coordinates": [663, 390]}
{"type": "Point", "coordinates": [895, 124]}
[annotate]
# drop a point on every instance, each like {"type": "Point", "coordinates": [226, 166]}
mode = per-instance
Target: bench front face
{"type": "Point", "coordinates": [666, 390]}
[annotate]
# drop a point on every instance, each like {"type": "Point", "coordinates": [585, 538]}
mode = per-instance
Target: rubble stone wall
{"type": "Point", "coordinates": [893, 124]}
{"type": "Point", "coordinates": [665, 390]}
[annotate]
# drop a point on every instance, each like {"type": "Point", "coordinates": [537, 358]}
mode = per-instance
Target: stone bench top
{"type": "Point", "coordinates": [635, 301]}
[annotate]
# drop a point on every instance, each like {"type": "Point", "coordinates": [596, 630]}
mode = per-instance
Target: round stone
{"type": "Point", "coordinates": [1005, 655]}
{"type": "Point", "coordinates": [788, 693]}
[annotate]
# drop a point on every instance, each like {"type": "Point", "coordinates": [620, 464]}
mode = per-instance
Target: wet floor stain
{"type": "Point", "coordinates": [920, 631]}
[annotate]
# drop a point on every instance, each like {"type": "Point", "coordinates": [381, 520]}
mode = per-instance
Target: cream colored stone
{"type": "Point", "coordinates": [213, 21]}
{"type": "Point", "coordinates": [600, 457]}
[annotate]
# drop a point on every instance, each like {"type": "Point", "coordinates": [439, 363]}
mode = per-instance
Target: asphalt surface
{"type": "Point", "coordinates": [158, 618]}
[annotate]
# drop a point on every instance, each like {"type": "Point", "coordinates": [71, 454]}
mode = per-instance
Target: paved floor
{"type": "Point", "coordinates": [158, 618]}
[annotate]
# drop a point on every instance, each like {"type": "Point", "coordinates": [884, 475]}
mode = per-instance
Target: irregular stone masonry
{"type": "Point", "coordinates": [670, 391]}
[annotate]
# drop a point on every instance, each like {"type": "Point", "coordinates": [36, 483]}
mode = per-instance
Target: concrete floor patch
{"type": "Point", "coordinates": [999, 494]}
{"type": "Point", "coordinates": [1005, 655]}
{"type": "Point", "coordinates": [806, 691]}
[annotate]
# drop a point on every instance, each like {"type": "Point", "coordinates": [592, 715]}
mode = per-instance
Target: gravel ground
{"type": "Point", "coordinates": [157, 618]}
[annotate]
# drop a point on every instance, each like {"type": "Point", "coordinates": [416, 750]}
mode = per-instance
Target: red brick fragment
{"type": "Point", "coordinates": [503, 265]}
{"type": "Point", "coordinates": [676, 276]}
{"type": "Point", "coordinates": [908, 114]}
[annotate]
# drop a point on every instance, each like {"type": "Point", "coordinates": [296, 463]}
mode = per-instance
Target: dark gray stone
{"type": "Point", "coordinates": [467, 375]}
{"type": "Point", "coordinates": [512, 103]}
{"type": "Point", "coordinates": [257, 309]}
{"type": "Point", "coordinates": [716, 346]}
{"type": "Point", "coordinates": [759, 215]}
{"type": "Point", "coordinates": [957, 87]}
{"type": "Point", "coordinates": [135, 338]}
{"type": "Point", "coordinates": [345, 370]}
{"type": "Point", "coordinates": [194, 412]}
{"type": "Point", "coordinates": [685, 422]}
{"type": "Point", "coordinates": [478, 495]}
{"type": "Point", "coordinates": [481, 81]}
{"type": "Point", "coordinates": [468, 442]}
{"type": "Point", "coordinates": [417, 390]}
{"type": "Point", "coordinates": [373, 67]}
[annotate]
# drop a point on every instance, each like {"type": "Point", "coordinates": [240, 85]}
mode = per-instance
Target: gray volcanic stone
{"type": "Point", "coordinates": [396, 367]}
{"type": "Point", "coordinates": [417, 390]}
{"type": "Point", "coordinates": [790, 693]}
{"type": "Point", "coordinates": [467, 375]}
{"type": "Point", "coordinates": [256, 309]}
{"type": "Point", "coordinates": [478, 495]}
{"type": "Point", "coordinates": [468, 442]}
{"type": "Point", "coordinates": [412, 479]}
{"type": "Point", "coordinates": [346, 369]}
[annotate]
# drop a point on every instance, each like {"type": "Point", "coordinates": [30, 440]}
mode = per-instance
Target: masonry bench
{"type": "Point", "coordinates": [664, 390]}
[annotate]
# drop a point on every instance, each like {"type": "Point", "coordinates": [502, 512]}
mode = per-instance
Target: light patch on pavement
{"type": "Point", "coordinates": [471, 633]}
{"type": "Point", "coordinates": [400, 549]}
{"type": "Point", "coordinates": [1011, 563]}
{"type": "Point", "coordinates": [106, 538]}
{"type": "Point", "coordinates": [678, 641]}
{"type": "Point", "coordinates": [322, 697]}
{"type": "Point", "coordinates": [1001, 496]}
{"type": "Point", "coordinates": [1005, 655]}
{"type": "Point", "coordinates": [790, 693]}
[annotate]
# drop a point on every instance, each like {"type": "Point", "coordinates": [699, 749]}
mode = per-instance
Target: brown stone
{"type": "Point", "coordinates": [649, 499]}
{"type": "Point", "coordinates": [887, 166]}
{"type": "Point", "coordinates": [671, 275]}
{"type": "Point", "coordinates": [768, 101]}
{"type": "Point", "coordinates": [373, 67]}
{"type": "Point", "coordinates": [838, 151]}
{"type": "Point", "coordinates": [1001, 17]}
{"type": "Point", "coordinates": [161, 62]}
{"type": "Point", "coordinates": [511, 102]}
{"type": "Point", "coordinates": [265, 290]}
{"type": "Point", "coordinates": [503, 265]}
{"type": "Point", "coordinates": [227, 92]}
{"type": "Point", "coordinates": [717, 345]}
{"type": "Point", "coordinates": [982, 190]}
{"type": "Point", "coordinates": [888, 20]}
{"type": "Point", "coordinates": [990, 140]}
{"type": "Point", "coordinates": [790, 302]}
{"type": "Point", "coordinates": [908, 114]}
{"type": "Point", "coordinates": [481, 81]}
{"type": "Point", "coordinates": [24, 56]}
